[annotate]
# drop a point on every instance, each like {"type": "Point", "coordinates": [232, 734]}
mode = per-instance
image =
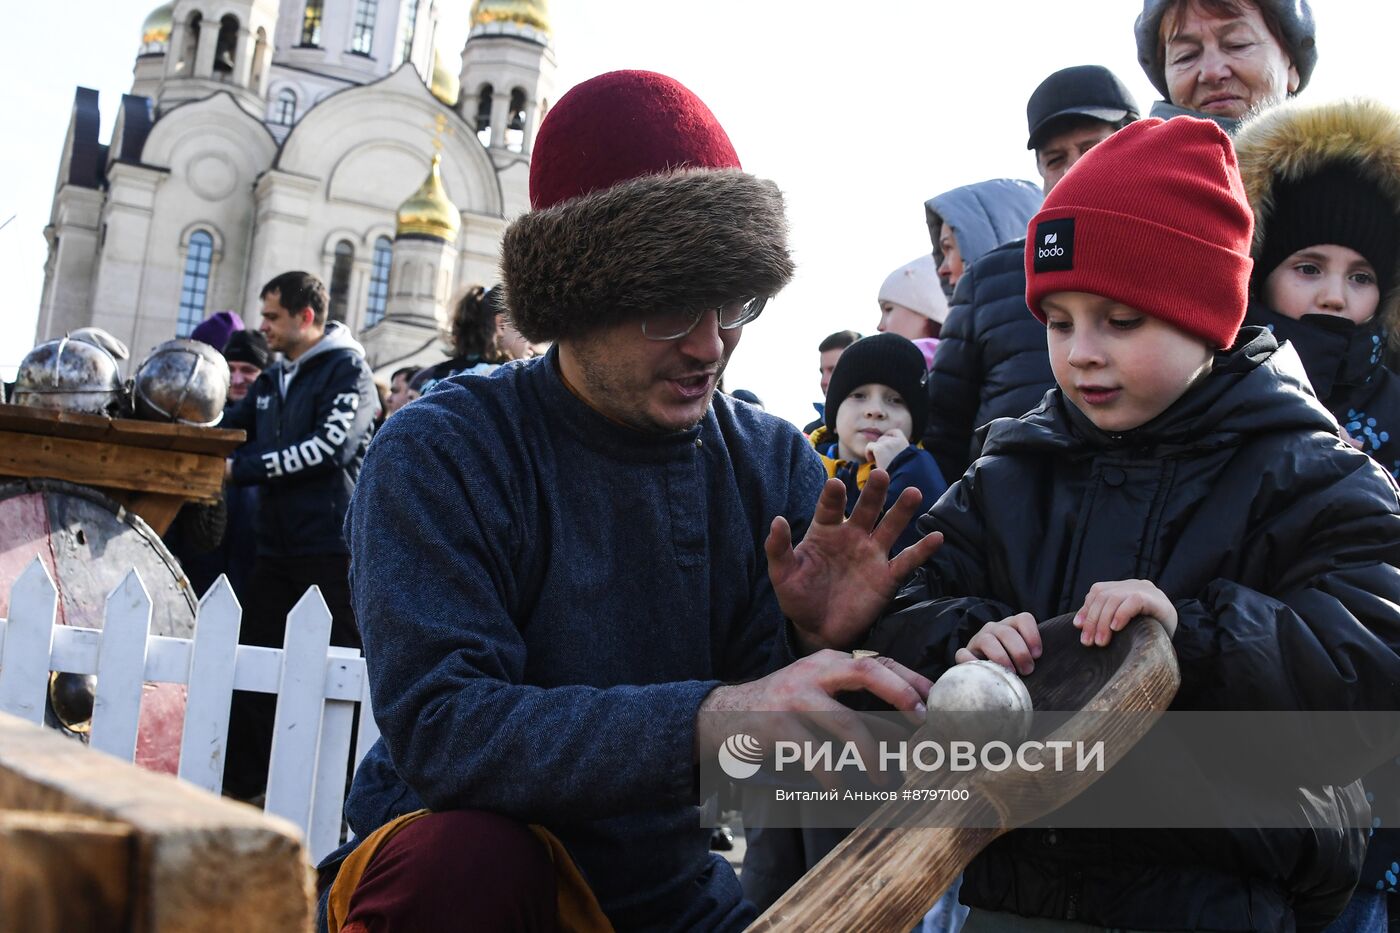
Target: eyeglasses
{"type": "Point", "coordinates": [673, 325]}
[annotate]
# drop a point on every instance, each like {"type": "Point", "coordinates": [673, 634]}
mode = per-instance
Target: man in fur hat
{"type": "Point", "coordinates": [559, 567]}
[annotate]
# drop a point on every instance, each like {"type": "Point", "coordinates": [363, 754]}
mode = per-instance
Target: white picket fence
{"type": "Point", "coordinates": [317, 686]}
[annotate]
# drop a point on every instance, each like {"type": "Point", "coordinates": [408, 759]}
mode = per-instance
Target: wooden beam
{"type": "Point", "coordinates": [60, 872]}
{"type": "Point", "coordinates": [199, 862]}
{"type": "Point", "coordinates": [129, 432]}
{"type": "Point", "coordinates": [112, 466]}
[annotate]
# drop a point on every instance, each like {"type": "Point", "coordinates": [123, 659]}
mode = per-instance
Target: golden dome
{"type": "Point", "coordinates": [429, 212]}
{"type": "Point", "coordinates": [445, 87]}
{"type": "Point", "coordinates": [532, 13]}
{"type": "Point", "coordinates": [155, 31]}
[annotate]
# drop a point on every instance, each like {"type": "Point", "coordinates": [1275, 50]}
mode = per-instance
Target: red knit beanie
{"type": "Point", "coordinates": [621, 125]}
{"type": "Point", "coordinates": [1155, 217]}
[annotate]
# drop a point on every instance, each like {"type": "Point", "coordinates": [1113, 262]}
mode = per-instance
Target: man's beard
{"type": "Point", "coordinates": [602, 385]}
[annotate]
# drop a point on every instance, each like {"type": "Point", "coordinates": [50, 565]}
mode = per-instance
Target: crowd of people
{"type": "Point", "coordinates": [1156, 384]}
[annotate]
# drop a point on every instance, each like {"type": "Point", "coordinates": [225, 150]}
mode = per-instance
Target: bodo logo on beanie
{"type": "Point", "coordinates": [1155, 218]}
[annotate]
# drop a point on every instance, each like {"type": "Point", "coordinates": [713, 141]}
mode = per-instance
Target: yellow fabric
{"type": "Point", "coordinates": [819, 436]}
{"type": "Point", "coordinates": [578, 909]}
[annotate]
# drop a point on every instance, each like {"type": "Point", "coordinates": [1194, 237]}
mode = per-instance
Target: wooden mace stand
{"type": "Point", "coordinates": [152, 468]}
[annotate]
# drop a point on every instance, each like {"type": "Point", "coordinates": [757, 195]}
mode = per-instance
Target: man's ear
{"type": "Point", "coordinates": [306, 316]}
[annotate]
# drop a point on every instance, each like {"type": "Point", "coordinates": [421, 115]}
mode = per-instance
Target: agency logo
{"type": "Point", "coordinates": [1054, 245]}
{"type": "Point", "coordinates": [740, 756]}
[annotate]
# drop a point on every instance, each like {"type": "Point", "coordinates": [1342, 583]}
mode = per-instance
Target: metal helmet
{"type": "Point", "coordinates": [69, 375]}
{"type": "Point", "coordinates": [184, 381]}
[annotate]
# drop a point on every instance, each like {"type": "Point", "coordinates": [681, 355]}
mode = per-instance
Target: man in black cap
{"type": "Point", "coordinates": [991, 360]}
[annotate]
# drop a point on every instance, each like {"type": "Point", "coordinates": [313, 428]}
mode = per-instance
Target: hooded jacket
{"type": "Point", "coordinates": [983, 216]}
{"type": "Point", "coordinates": [309, 424]}
{"type": "Point", "coordinates": [1345, 362]}
{"type": "Point", "coordinates": [991, 361]}
{"type": "Point", "coordinates": [1280, 549]}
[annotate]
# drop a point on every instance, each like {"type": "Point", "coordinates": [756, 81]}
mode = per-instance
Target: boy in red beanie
{"type": "Point", "coordinates": [1182, 470]}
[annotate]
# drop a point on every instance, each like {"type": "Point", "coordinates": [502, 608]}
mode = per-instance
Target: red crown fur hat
{"type": "Point", "coordinates": [1154, 217]}
{"type": "Point", "coordinates": [639, 203]}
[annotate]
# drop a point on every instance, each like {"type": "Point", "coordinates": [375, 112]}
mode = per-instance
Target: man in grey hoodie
{"type": "Point", "coordinates": [308, 418]}
{"type": "Point", "coordinates": [991, 360]}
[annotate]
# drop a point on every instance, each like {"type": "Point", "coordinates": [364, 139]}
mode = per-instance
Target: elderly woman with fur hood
{"type": "Point", "coordinates": [1324, 182]}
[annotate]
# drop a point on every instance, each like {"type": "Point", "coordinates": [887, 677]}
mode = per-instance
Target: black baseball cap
{"type": "Point", "coordinates": [1080, 91]}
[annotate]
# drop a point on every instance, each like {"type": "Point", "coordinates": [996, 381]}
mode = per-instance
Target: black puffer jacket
{"type": "Point", "coordinates": [991, 360]}
{"type": "Point", "coordinates": [1279, 546]}
{"type": "Point", "coordinates": [305, 446]}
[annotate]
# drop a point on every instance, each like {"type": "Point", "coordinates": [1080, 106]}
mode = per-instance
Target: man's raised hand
{"type": "Point", "coordinates": [834, 584]}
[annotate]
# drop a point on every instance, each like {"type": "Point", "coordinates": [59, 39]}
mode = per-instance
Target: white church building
{"type": "Point", "coordinates": [262, 136]}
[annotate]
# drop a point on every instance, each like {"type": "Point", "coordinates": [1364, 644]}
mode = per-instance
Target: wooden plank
{"type": "Point", "coordinates": [60, 872]}
{"type": "Point", "coordinates": [28, 641]}
{"type": "Point", "coordinates": [205, 738]}
{"type": "Point", "coordinates": [127, 431]}
{"type": "Point", "coordinates": [296, 729]}
{"type": "Point", "coordinates": [201, 863]}
{"type": "Point", "coordinates": [121, 669]}
{"type": "Point", "coordinates": [369, 729]}
{"type": "Point", "coordinates": [191, 476]}
{"type": "Point", "coordinates": [259, 670]}
{"type": "Point", "coordinates": [328, 794]}
{"type": "Point", "coordinates": [337, 727]}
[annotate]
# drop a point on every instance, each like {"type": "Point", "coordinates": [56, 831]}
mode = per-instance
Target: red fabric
{"type": "Point", "coordinates": [623, 125]}
{"type": "Point", "coordinates": [457, 870]}
{"type": "Point", "coordinates": [1161, 224]}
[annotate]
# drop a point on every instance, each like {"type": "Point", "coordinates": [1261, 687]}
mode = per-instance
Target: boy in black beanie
{"type": "Point", "coordinates": [876, 402]}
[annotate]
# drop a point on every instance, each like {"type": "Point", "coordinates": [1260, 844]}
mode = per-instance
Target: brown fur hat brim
{"type": "Point", "coordinates": [688, 239]}
{"type": "Point", "coordinates": [1294, 140]}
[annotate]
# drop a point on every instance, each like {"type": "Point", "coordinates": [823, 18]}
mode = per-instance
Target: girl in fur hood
{"type": "Point", "coordinates": [1324, 183]}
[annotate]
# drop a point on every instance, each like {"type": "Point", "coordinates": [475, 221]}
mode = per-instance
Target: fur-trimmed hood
{"type": "Point", "coordinates": [1293, 140]}
{"type": "Point", "coordinates": [687, 239]}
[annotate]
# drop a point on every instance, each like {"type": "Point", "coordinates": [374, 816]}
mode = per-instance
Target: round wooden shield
{"type": "Point", "coordinates": [89, 543]}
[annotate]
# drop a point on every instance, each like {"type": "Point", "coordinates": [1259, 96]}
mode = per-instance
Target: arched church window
{"type": "Point", "coordinates": [515, 126]}
{"type": "Point", "coordinates": [379, 281]}
{"type": "Point", "coordinates": [284, 111]}
{"type": "Point", "coordinates": [194, 287]}
{"type": "Point", "coordinates": [186, 64]}
{"type": "Point", "coordinates": [311, 23]}
{"type": "Point", "coordinates": [340, 279]}
{"type": "Point", "coordinates": [410, 26]}
{"type": "Point", "coordinates": [483, 113]}
{"type": "Point", "coordinates": [362, 34]}
{"type": "Point", "coordinates": [226, 45]}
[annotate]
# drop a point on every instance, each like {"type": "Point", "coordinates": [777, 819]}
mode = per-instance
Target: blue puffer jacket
{"type": "Point", "coordinates": [991, 361]}
{"type": "Point", "coordinates": [308, 425]}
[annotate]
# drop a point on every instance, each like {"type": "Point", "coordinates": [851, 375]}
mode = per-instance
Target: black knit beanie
{"type": "Point", "coordinates": [1338, 206]}
{"type": "Point", "coordinates": [247, 346]}
{"type": "Point", "coordinates": [887, 360]}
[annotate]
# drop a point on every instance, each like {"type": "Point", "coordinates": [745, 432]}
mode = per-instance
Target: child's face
{"type": "Point", "coordinates": [1119, 366]}
{"type": "Point", "coordinates": [869, 413]}
{"type": "Point", "coordinates": [1324, 279]}
{"type": "Point", "coordinates": [897, 319]}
